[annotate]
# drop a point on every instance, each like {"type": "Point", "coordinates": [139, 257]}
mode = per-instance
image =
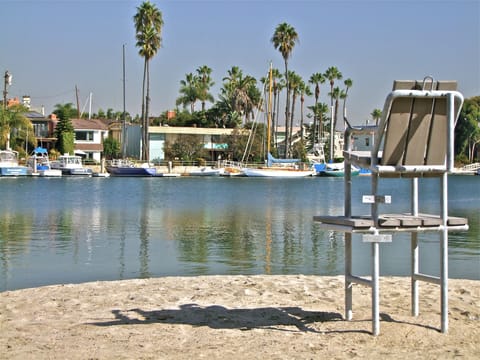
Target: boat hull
{"type": "Point", "coordinates": [14, 171]}
{"type": "Point", "coordinates": [77, 172]}
{"type": "Point", "coordinates": [276, 173]}
{"type": "Point", "coordinates": [131, 171]}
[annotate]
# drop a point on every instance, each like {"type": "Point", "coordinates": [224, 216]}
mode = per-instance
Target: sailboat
{"type": "Point", "coordinates": [284, 168]}
{"type": "Point", "coordinates": [278, 168]}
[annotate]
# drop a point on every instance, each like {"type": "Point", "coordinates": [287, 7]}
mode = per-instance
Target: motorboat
{"type": "Point", "coordinates": [9, 164]}
{"type": "Point", "coordinates": [71, 165]}
{"type": "Point", "coordinates": [39, 164]}
{"type": "Point", "coordinates": [121, 167]}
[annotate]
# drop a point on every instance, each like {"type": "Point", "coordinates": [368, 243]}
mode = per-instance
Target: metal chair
{"type": "Point", "coordinates": [413, 139]}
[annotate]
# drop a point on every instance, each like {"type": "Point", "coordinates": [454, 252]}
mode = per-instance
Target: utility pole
{"type": "Point", "coordinates": [8, 81]}
{"type": "Point", "coordinates": [124, 122]}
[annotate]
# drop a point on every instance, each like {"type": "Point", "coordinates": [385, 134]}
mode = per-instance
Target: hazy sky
{"type": "Point", "coordinates": [50, 47]}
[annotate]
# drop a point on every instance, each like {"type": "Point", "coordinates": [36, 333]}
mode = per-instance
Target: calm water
{"type": "Point", "coordinates": [72, 230]}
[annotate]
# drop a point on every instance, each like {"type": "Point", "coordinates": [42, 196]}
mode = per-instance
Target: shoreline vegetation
{"type": "Point", "coordinates": [235, 317]}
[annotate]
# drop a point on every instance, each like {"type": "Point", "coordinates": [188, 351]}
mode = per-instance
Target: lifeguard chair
{"type": "Point", "coordinates": [414, 139]}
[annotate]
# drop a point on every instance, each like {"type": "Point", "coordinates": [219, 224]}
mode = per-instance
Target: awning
{"type": "Point", "coordinates": [80, 152]}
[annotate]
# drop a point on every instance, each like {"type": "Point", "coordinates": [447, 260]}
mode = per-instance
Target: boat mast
{"type": "Point", "coordinates": [78, 102]}
{"type": "Point", "coordinates": [124, 125]}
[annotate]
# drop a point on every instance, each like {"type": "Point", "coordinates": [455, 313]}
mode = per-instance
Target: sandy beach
{"type": "Point", "coordinates": [235, 317]}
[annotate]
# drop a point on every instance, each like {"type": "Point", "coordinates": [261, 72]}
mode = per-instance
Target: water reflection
{"type": "Point", "coordinates": [75, 230]}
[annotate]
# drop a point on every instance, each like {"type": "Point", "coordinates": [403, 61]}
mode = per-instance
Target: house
{"type": "Point", "coordinates": [89, 136]}
{"type": "Point", "coordinates": [211, 138]}
{"type": "Point", "coordinates": [43, 128]}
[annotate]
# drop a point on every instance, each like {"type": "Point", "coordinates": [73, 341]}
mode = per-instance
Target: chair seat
{"type": "Point", "coordinates": [398, 222]}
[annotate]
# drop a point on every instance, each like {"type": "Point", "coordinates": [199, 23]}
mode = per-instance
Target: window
{"type": "Point", "coordinates": [84, 135]}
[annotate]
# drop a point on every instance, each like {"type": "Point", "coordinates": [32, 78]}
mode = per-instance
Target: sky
{"type": "Point", "coordinates": [52, 47]}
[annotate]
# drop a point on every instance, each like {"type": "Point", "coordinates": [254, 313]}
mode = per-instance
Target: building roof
{"type": "Point", "coordinates": [189, 130]}
{"type": "Point", "coordinates": [86, 124]}
{"type": "Point", "coordinates": [88, 147]}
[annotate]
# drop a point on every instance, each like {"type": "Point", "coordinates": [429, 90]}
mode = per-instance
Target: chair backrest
{"type": "Point", "coordinates": [416, 130]}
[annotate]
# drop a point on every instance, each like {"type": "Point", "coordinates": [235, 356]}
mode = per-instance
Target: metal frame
{"type": "Point", "coordinates": [454, 101]}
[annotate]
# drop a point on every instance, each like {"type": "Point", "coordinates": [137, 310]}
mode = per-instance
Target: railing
{"type": "Point", "coordinates": [471, 167]}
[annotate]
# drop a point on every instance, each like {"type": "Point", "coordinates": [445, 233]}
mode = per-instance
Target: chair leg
{"type": "Point", "coordinates": [414, 271]}
{"type": "Point", "coordinates": [375, 289]}
{"type": "Point", "coordinates": [444, 254]}
{"type": "Point", "coordinates": [348, 272]}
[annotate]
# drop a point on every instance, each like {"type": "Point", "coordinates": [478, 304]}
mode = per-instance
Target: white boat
{"type": "Point", "coordinates": [205, 171]}
{"type": "Point", "coordinates": [276, 172]}
{"type": "Point", "coordinates": [284, 168]}
{"type": "Point", "coordinates": [333, 169]}
{"type": "Point", "coordinates": [71, 165]}
{"type": "Point", "coordinates": [39, 164]}
{"type": "Point", "coordinates": [9, 164]}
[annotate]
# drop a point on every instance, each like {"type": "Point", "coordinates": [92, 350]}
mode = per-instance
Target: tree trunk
{"type": "Point", "coordinates": [143, 107]}
{"type": "Point", "coordinates": [287, 109]}
{"type": "Point", "coordinates": [146, 153]}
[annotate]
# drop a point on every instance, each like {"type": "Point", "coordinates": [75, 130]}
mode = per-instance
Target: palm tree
{"type": "Point", "coordinates": [277, 88]}
{"type": "Point", "coordinates": [284, 40]}
{"type": "Point", "coordinates": [188, 91]}
{"type": "Point", "coordinates": [304, 90]}
{"type": "Point", "coordinates": [240, 91]}
{"type": "Point", "coordinates": [319, 111]}
{"type": "Point", "coordinates": [204, 84]}
{"type": "Point", "coordinates": [376, 115]}
{"type": "Point", "coordinates": [13, 118]}
{"type": "Point", "coordinates": [316, 79]}
{"type": "Point", "coordinates": [332, 74]}
{"type": "Point", "coordinates": [295, 83]}
{"type": "Point", "coordinates": [148, 29]}
{"type": "Point", "coordinates": [348, 84]}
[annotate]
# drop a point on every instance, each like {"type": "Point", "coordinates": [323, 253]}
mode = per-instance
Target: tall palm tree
{"type": "Point", "coordinates": [284, 39]}
{"type": "Point", "coordinates": [148, 30]}
{"type": "Point", "coordinates": [332, 74]}
{"type": "Point", "coordinates": [316, 79]}
{"type": "Point", "coordinates": [295, 84]}
{"type": "Point", "coordinates": [278, 85]}
{"type": "Point", "coordinates": [304, 90]}
{"type": "Point", "coordinates": [348, 84]}
{"type": "Point", "coordinates": [204, 84]}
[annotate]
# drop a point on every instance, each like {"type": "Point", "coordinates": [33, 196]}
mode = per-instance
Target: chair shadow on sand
{"type": "Point", "coordinates": [220, 317]}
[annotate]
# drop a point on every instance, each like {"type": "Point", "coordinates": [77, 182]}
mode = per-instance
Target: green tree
{"type": "Point", "coordinates": [64, 131]}
{"type": "Point", "coordinates": [316, 79]}
{"type": "Point", "coordinates": [240, 93]}
{"type": "Point", "coordinates": [304, 89]}
{"type": "Point", "coordinates": [467, 130]}
{"type": "Point", "coordinates": [148, 29]}
{"type": "Point", "coordinates": [295, 84]}
{"type": "Point", "coordinates": [188, 91]}
{"type": "Point", "coordinates": [348, 84]}
{"type": "Point", "coordinates": [185, 147]}
{"type": "Point", "coordinates": [204, 84]}
{"type": "Point", "coordinates": [66, 110]}
{"type": "Point", "coordinates": [332, 74]}
{"type": "Point", "coordinates": [376, 115]}
{"type": "Point", "coordinates": [14, 127]}
{"type": "Point", "coordinates": [111, 148]}
{"type": "Point", "coordinates": [284, 39]}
